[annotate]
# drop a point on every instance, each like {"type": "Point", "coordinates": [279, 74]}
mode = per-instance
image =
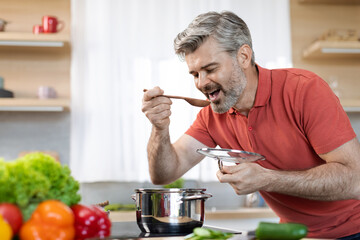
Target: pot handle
{"type": "Point", "coordinates": [196, 197]}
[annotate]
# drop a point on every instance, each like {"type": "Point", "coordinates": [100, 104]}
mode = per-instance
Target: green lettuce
{"type": "Point", "coordinates": [36, 177]}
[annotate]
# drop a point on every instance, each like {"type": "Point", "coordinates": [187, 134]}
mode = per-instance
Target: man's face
{"type": "Point", "coordinates": [217, 75]}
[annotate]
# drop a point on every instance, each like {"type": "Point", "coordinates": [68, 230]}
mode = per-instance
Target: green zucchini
{"type": "Point", "coordinates": [280, 231]}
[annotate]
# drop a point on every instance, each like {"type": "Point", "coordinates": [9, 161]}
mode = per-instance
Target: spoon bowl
{"type": "Point", "coordinates": [192, 101]}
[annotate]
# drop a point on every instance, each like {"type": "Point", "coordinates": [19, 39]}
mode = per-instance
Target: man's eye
{"type": "Point", "coordinates": [210, 70]}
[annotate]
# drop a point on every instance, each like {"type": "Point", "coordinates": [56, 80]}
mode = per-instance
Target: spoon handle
{"type": "Point", "coordinates": [193, 101]}
{"type": "Point", "coordinates": [172, 96]}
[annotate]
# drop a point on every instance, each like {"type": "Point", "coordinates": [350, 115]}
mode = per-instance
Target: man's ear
{"type": "Point", "coordinates": [244, 56]}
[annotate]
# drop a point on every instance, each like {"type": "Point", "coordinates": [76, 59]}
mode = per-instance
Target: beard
{"type": "Point", "coordinates": [231, 92]}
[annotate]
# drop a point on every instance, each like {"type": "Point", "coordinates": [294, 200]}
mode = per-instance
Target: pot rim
{"type": "Point", "coordinates": [169, 190]}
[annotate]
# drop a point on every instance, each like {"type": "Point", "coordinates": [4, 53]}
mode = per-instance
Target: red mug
{"type": "Point", "coordinates": [50, 24]}
{"type": "Point", "coordinates": [38, 29]}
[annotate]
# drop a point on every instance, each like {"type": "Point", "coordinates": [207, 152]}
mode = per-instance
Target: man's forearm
{"type": "Point", "coordinates": [328, 182]}
{"type": "Point", "coordinates": [162, 157]}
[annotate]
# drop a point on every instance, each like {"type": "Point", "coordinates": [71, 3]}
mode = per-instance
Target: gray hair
{"type": "Point", "coordinates": [230, 31]}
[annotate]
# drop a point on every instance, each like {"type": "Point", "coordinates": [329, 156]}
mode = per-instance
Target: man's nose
{"type": "Point", "coordinates": [202, 80]}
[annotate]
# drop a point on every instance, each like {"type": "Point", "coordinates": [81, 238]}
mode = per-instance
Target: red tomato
{"type": "Point", "coordinates": [12, 214]}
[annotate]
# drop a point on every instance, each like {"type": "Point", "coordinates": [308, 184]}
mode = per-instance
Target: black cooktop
{"type": "Point", "coordinates": [130, 230]}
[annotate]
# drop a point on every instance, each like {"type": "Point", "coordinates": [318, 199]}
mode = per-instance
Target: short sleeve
{"type": "Point", "coordinates": [324, 120]}
{"type": "Point", "coordinates": [199, 128]}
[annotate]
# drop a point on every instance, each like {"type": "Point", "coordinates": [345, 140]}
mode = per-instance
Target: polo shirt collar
{"type": "Point", "coordinates": [263, 91]}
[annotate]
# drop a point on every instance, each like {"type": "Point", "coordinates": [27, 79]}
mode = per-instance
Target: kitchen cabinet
{"type": "Point", "coordinates": [28, 61]}
{"type": "Point", "coordinates": [334, 61]}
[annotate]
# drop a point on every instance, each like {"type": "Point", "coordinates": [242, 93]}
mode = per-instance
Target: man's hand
{"type": "Point", "coordinates": [157, 108]}
{"type": "Point", "coordinates": [337, 179]}
{"type": "Point", "coordinates": [245, 178]}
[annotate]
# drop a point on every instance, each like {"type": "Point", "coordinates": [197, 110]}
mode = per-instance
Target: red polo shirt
{"type": "Point", "coordinates": [295, 117]}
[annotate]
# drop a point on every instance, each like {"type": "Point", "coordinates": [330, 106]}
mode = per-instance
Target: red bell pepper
{"type": "Point", "coordinates": [90, 221]}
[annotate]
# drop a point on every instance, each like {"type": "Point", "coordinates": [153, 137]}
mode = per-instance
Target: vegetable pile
{"type": "Point", "coordinates": [53, 219]}
{"type": "Point", "coordinates": [36, 177]}
{"type": "Point", "coordinates": [39, 200]}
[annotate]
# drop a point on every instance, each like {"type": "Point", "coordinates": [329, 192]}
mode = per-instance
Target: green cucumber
{"type": "Point", "coordinates": [280, 231]}
{"type": "Point", "coordinates": [205, 234]}
{"type": "Point", "coordinates": [202, 232]}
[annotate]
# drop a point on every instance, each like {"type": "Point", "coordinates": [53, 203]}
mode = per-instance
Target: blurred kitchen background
{"type": "Point", "coordinates": [106, 52]}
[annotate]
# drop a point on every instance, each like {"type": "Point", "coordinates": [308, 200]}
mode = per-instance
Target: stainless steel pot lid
{"type": "Point", "coordinates": [169, 190]}
{"type": "Point", "coordinates": [230, 155]}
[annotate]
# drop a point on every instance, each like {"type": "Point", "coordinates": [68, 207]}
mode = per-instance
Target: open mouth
{"type": "Point", "coordinates": [214, 95]}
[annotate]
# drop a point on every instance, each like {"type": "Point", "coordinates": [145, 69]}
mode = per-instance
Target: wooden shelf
{"type": "Point", "coordinates": [343, 2]}
{"type": "Point", "coordinates": [29, 60]}
{"type": "Point", "coordinates": [326, 49]}
{"type": "Point", "coordinates": [34, 104]}
{"type": "Point", "coordinates": [28, 39]}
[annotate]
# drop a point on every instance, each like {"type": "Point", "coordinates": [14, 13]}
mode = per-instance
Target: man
{"type": "Point", "coordinates": [311, 172]}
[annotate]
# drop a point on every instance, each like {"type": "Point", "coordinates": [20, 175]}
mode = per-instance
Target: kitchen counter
{"type": "Point", "coordinates": [124, 224]}
{"type": "Point", "coordinates": [242, 213]}
{"type": "Point", "coordinates": [125, 227]}
{"type": "Point", "coordinates": [130, 231]}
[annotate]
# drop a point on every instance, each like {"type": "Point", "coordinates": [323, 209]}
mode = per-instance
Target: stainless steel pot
{"type": "Point", "coordinates": [172, 210]}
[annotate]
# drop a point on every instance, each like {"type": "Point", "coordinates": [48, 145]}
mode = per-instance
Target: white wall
{"type": "Point", "coordinates": [39, 131]}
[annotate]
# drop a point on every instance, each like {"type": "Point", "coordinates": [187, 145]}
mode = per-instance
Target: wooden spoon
{"type": "Point", "coordinates": [192, 101]}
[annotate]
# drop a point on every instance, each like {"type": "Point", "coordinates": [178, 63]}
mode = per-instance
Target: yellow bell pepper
{"type": "Point", "coordinates": [5, 230]}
